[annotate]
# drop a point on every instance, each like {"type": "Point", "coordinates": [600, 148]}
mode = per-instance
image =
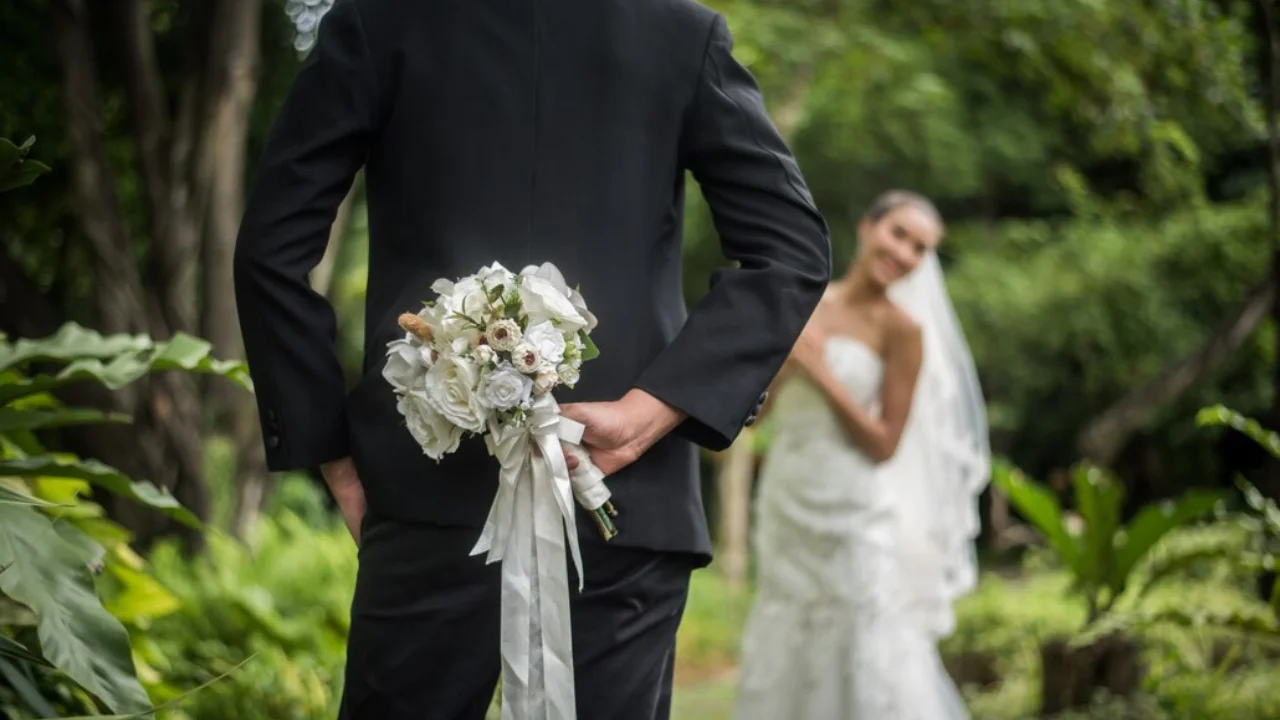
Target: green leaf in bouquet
{"type": "Point", "coordinates": [103, 476]}
{"type": "Point", "coordinates": [589, 349]}
{"type": "Point", "coordinates": [76, 633]}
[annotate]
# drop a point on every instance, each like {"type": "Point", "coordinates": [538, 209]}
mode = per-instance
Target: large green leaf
{"type": "Point", "coordinates": [14, 650]}
{"type": "Point", "coordinates": [11, 419]}
{"type": "Point", "coordinates": [1038, 505]}
{"type": "Point", "coordinates": [115, 361]}
{"type": "Point", "coordinates": [71, 342]}
{"type": "Point", "coordinates": [1099, 499]}
{"type": "Point", "coordinates": [76, 633]}
{"type": "Point", "coordinates": [1152, 523]}
{"type": "Point", "coordinates": [23, 683]}
{"type": "Point", "coordinates": [105, 477]}
{"type": "Point", "coordinates": [11, 496]}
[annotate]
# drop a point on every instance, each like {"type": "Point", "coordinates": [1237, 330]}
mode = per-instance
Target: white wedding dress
{"type": "Point", "coordinates": [849, 606]}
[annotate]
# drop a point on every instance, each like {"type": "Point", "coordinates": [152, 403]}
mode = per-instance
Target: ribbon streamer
{"type": "Point", "coordinates": [528, 524]}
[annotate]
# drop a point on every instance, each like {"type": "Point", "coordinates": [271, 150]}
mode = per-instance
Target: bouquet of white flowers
{"type": "Point", "coordinates": [478, 358]}
{"type": "Point", "coordinates": [483, 359]}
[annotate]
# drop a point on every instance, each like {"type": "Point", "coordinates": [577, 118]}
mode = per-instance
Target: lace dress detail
{"type": "Point", "coordinates": [832, 635]}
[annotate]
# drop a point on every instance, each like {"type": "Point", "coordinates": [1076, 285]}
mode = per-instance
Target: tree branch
{"type": "Point", "coordinates": [1104, 437]}
{"type": "Point", "coordinates": [117, 287]}
{"type": "Point", "coordinates": [172, 258]}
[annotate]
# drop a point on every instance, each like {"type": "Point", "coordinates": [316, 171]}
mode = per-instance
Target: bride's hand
{"type": "Point", "coordinates": [808, 354]}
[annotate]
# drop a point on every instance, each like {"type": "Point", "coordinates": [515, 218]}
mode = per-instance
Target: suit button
{"type": "Point", "coordinates": [764, 397]}
{"type": "Point", "coordinates": [273, 441]}
{"type": "Point", "coordinates": [751, 420]}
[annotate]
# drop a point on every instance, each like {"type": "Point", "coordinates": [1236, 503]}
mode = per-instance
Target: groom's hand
{"type": "Point", "coordinates": [344, 482]}
{"type": "Point", "coordinates": [619, 432]}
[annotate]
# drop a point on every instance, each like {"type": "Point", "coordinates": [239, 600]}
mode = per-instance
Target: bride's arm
{"type": "Point", "coordinates": [878, 437]}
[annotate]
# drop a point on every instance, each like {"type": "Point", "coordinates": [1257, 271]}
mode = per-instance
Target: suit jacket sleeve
{"type": "Point", "coordinates": [317, 145]}
{"type": "Point", "coordinates": [736, 339]}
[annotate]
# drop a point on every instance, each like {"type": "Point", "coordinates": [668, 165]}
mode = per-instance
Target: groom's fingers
{"type": "Point", "coordinates": [569, 458]}
{"type": "Point", "coordinates": [581, 413]}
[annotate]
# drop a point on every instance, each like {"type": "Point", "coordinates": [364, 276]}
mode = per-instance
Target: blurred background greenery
{"type": "Point", "coordinates": [1110, 184]}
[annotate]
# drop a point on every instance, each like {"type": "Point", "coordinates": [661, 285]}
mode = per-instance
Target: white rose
{"type": "Point", "coordinates": [504, 335]}
{"type": "Point", "coordinates": [544, 302]}
{"type": "Point", "coordinates": [505, 388]}
{"type": "Point", "coordinates": [526, 359]}
{"type": "Point", "coordinates": [450, 388]}
{"type": "Point", "coordinates": [461, 344]}
{"type": "Point", "coordinates": [568, 374]}
{"type": "Point", "coordinates": [446, 324]}
{"type": "Point", "coordinates": [432, 431]}
{"type": "Point", "coordinates": [496, 276]}
{"type": "Point", "coordinates": [406, 364]}
{"type": "Point", "coordinates": [485, 355]}
{"type": "Point", "coordinates": [548, 341]}
{"type": "Point", "coordinates": [580, 304]}
{"type": "Point", "coordinates": [545, 381]}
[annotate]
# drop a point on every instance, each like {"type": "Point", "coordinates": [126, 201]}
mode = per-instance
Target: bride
{"type": "Point", "coordinates": [867, 513]}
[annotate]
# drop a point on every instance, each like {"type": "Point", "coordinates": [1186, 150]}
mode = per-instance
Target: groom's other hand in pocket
{"type": "Point", "coordinates": [619, 432]}
{"type": "Point", "coordinates": [343, 481]}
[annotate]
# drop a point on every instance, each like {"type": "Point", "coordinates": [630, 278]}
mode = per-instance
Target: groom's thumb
{"type": "Point", "coordinates": [581, 413]}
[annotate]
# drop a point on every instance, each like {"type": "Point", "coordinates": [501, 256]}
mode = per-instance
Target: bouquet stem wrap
{"type": "Point", "coordinates": [528, 525]}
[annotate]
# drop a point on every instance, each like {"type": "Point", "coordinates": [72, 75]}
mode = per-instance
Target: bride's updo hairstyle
{"type": "Point", "coordinates": [887, 201]}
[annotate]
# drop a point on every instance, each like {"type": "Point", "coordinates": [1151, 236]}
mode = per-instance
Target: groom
{"type": "Point", "coordinates": [524, 131]}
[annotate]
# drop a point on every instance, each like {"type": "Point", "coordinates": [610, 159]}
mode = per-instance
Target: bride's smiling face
{"type": "Point", "coordinates": [894, 245]}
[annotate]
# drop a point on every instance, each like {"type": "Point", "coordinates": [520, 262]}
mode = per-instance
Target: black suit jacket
{"type": "Point", "coordinates": [526, 131]}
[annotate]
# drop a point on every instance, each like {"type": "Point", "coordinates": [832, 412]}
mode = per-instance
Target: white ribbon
{"type": "Point", "coordinates": [531, 516]}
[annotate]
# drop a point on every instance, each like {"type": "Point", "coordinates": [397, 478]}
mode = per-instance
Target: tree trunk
{"type": "Point", "coordinates": [228, 88]}
{"type": "Point", "coordinates": [172, 258]}
{"type": "Point", "coordinates": [1072, 676]}
{"type": "Point", "coordinates": [163, 445]}
{"type": "Point", "coordinates": [1106, 435]}
{"type": "Point", "coordinates": [734, 480]}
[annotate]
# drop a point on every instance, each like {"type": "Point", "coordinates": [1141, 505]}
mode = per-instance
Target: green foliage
{"type": "Point", "coordinates": [53, 540]}
{"type": "Point", "coordinates": [1103, 555]}
{"type": "Point", "coordinates": [285, 604]}
{"type": "Point", "coordinates": [1265, 521]}
{"type": "Point", "coordinates": [1198, 650]}
{"type": "Point", "coordinates": [15, 169]}
{"type": "Point", "coordinates": [1088, 309]}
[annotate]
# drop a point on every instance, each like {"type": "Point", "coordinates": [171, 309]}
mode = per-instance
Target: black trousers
{"type": "Point", "coordinates": [425, 628]}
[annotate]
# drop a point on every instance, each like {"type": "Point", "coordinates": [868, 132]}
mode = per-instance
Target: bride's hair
{"type": "Point", "coordinates": [888, 201]}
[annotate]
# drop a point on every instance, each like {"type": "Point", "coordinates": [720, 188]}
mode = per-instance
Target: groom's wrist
{"type": "Point", "coordinates": [654, 419]}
